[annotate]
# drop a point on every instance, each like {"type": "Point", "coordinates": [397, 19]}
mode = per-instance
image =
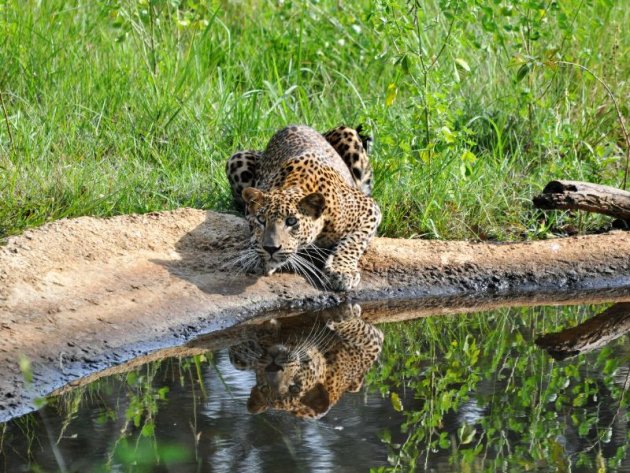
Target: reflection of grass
{"type": "Point", "coordinates": [143, 404]}
{"type": "Point", "coordinates": [142, 454]}
{"type": "Point", "coordinates": [525, 410]}
{"type": "Point", "coordinates": [126, 417]}
{"type": "Point", "coordinates": [114, 107]}
{"type": "Point", "coordinates": [473, 391]}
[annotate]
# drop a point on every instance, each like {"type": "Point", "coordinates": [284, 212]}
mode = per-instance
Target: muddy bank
{"type": "Point", "coordinates": [77, 296]}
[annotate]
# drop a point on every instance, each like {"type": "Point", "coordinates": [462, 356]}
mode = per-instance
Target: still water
{"type": "Point", "coordinates": [465, 393]}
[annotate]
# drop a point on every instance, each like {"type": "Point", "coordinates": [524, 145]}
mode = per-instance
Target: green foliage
{"type": "Point", "coordinates": [132, 106]}
{"type": "Point", "coordinates": [510, 404]}
{"type": "Point", "coordinates": [141, 456]}
{"type": "Point", "coordinates": [136, 447]}
{"type": "Point", "coordinates": [483, 116]}
{"type": "Point", "coordinates": [26, 369]}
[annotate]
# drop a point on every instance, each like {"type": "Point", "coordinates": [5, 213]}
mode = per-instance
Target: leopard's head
{"type": "Point", "coordinates": [282, 222]}
{"type": "Point", "coordinates": [290, 379]}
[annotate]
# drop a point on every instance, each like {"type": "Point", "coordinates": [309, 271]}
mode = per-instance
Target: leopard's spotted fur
{"type": "Point", "coordinates": [306, 376]}
{"type": "Point", "coordinates": [303, 192]}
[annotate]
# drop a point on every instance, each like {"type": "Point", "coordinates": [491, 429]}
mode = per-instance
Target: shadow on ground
{"type": "Point", "coordinates": [205, 254]}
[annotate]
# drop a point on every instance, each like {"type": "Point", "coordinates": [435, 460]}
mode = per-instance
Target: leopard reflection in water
{"type": "Point", "coordinates": [305, 372]}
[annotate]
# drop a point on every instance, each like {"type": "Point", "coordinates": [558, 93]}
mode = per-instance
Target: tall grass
{"type": "Point", "coordinates": [132, 106]}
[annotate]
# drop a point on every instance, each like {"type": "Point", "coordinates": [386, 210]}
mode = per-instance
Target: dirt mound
{"type": "Point", "coordinates": [82, 295]}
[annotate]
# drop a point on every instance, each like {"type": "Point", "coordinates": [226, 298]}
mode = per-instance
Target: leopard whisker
{"type": "Point", "coordinates": [322, 275]}
{"type": "Point", "coordinates": [309, 271]}
{"type": "Point", "coordinates": [327, 339]}
{"type": "Point", "coordinates": [302, 347]}
{"type": "Point", "coordinates": [322, 339]}
{"type": "Point", "coordinates": [297, 266]}
{"type": "Point", "coordinates": [311, 249]}
{"type": "Point", "coordinates": [328, 342]}
{"type": "Point", "coordinates": [242, 262]}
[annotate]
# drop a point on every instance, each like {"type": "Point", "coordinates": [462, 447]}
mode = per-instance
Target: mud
{"type": "Point", "coordinates": [83, 295]}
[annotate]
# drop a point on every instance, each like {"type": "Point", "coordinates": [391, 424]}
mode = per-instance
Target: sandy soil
{"type": "Point", "coordinates": [78, 296]}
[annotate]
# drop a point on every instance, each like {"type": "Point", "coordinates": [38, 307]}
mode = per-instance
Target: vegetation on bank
{"type": "Point", "coordinates": [115, 106]}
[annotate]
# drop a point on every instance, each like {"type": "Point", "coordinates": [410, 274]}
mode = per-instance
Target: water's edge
{"type": "Point", "coordinates": [100, 292]}
{"type": "Point", "coordinates": [190, 341]}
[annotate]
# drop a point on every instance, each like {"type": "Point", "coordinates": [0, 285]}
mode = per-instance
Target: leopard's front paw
{"type": "Point", "coordinates": [343, 281]}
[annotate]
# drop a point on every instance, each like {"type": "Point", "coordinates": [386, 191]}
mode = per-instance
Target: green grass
{"type": "Point", "coordinates": [133, 106]}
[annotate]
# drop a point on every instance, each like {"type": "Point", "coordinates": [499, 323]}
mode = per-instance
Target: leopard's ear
{"type": "Point", "coordinates": [253, 198]}
{"type": "Point", "coordinates": [317, 399]}
{"type": "Point", "coordinates": [251, 194]}
{"type": "Point", "coordinates": [313, 204]}
{"type": "Point", "coordinates": [256, 402]}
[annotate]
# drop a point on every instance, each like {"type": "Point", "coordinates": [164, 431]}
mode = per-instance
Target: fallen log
{"type": "Point", "coordinates": [575, 195]}
{"type": "Point", "coordinates": [78, 296]}
{"type": "Point", "coordinates": [590, 335]}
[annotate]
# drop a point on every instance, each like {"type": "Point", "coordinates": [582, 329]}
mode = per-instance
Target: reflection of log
{"type": "Point", "coordinates": [585, 196]}
{"type": "Point", "coordinates": [590, 335]}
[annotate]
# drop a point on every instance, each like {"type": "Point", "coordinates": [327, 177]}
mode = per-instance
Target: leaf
{"type": "Point", "coordinates": [162, 392]}
{"type": "Point", "coordinates": [26, 369]}
{"type": "Point", "coordinates": [518, 59]}
{"type": "Point", "coordinates": [132, 378]}
{"type": "Point", "coordinates": [462, 65]}
{"type": "Point", "coordinates": [148, 430]}
{"type": "Point", "coordinates": [551, 53]}
{"type": "Point", "coordinates": [553, 65]}
{"type": "Point", "coordinates": [447, 135]}
{"type": "Point", "coordinates": [522, 72]}
{"type": "Point", "coordinates": [466, 433]}
{"type": "Point", "coordinates": [396, 403]}
{"type": "Point", "coordinates": [468, 156]}
{"type": "Point", "coordinates": [390, 95]}
{"type": "Point", "coordinates": [405, 64]}
{"type": "Point", "coordinates": [558, 457]}
{"type": "Point", "coordinates": [40, 402]}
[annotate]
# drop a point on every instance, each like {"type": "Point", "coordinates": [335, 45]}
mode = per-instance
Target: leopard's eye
{"type": "Point", "coordinates": [294, 388]}
{"type": "Point", "coordinates": [260, 219]}
{"type": "Point", "coordinates": [290, 221]}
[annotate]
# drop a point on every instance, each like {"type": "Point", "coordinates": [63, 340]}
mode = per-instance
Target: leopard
{"type": "Point", "coordinates": [307, 375]}
{"type": "Point", "coordinates": [308, 193]}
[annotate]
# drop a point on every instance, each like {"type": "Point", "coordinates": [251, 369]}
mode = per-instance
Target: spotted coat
{"type": "Point", "coordinates": [307, 378]}
{"type": "Point", "coordinates": [308, 190]}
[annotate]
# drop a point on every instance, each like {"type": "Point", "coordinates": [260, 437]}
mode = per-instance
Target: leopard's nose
{"type": "Point", "coordinates": [271, 249]}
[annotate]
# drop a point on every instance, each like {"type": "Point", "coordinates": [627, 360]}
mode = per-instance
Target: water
{"type": "Point", "coordinates": [460, 393]}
